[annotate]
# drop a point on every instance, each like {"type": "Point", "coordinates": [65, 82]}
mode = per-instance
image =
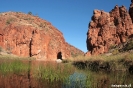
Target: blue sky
{"type": "Point", "coordinates": [71, 17]}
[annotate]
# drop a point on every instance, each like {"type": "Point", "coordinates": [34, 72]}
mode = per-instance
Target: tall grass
{"type": "Point", "coordinates": [51, 74]}
{"type": "Point", "coordinates": [13, 57]}
{"type": "Point", "coordinates": [51, 71]}
{"type": "Point", "coordinates": [13, 67]}
{"type": "Point", "coordinates": [121, 61]}
{"type": "Point", "coordinates": [11, 64]}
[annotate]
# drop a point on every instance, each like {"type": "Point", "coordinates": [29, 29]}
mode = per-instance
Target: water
{"type": "Point", "coordinates": [89, 79]}
{"type": "Point", "coordinates": [76, 79]}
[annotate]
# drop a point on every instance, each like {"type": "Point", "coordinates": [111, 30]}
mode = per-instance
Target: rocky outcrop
{"type": "Point", "coordinates": [109, 29]}
{"type": "Point", "coordinates": [131, 10]}
{"type": "Point", "coordinates": [28, 35]}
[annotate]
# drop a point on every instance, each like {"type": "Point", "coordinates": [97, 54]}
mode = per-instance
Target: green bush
{"type": "Point", "coordinates": [0, 49]}
{"type": "Point", "coordinates": [30, 13]}
{"type": "Point", "coordinates": [129, 46]}
{"type": "Point", "coordinates": [16, 67]}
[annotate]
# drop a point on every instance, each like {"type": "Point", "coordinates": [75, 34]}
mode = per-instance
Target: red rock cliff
{"type": "Point", "coordinates": [107, 29]}
{"type": "Point", "coordinates": [27, 35]}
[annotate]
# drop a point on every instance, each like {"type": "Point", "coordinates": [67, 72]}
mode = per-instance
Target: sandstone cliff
{"type": "Point", "coordinates": [74, 51]}
{"type": "Point", "coordinates": [28, 35]}
{"type": "Point", "coordinates": [107, 29]}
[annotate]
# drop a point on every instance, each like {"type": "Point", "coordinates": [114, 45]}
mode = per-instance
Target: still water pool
{"type": "Point", "coordinates": [88, 79]}
{"type": "Point", "coordinates": [60, 76]}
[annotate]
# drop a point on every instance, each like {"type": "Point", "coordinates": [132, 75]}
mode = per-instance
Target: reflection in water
{"type": "Point", "coordinates": [76, 80]}
{"type": "Point", "coordinates": [106, 80]}
{"type": "Point", "coordinates": [59, 76]}
{"type": "Point", "coordinates": [89, 79]}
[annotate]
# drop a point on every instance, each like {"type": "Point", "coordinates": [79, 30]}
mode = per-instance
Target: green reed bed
{"type": "Point", "coordinates": [13, 67]}
{"type": "Point", "coordinates": [52, 71]}
{"type": "Point", "coordinates": [10, 64]}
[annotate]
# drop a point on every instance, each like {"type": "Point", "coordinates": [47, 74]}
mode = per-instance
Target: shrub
{"type": "Point", "coordinates": [65, 61]}
{"type": "Point", "coordinates": [30, 13]}
{"type": "Point", "coordinates": [74, 54]}
{"type": "Point", "coordinates": [112, 46]}
{"type": "Point", "coordinates": [9, 20]}
{"type": "Point", "coordinates": [9, 50]}
{"type": "Point", "coordinates": [0, 49]}
{"type": "Point", "coordinates": [27, 18]}
{"type": "Point", "coordinates": [115, 51]}
{"type": "Point", "coordinates": [129, 46]}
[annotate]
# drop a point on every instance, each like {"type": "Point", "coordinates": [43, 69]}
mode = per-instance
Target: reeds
{"type": "Point", "coordinates": [57, 75]}
{"type": "Point", "coordinates": [52, 71]}
{"type": "Point", "coordinates": [13, 67]}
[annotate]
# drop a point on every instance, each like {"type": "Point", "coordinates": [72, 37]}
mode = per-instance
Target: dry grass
{"type": "Point", "coordinates": [121, 61]}
{"type": "Point", "coordinates": [14, 57]}
{"type": "Point", "coordinates": [102, 57]}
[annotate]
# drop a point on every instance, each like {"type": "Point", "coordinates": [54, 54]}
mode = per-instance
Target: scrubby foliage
{"type": "Point", "coordinates": [128, 46]}
{"type": "Point", "coordinates": [0, 49]}
{"type": "Point", "coordinates": [119, 61]}
{"type": "Point", "coordinates": [30, 13]}
{"type": "Point", "coordinates": [9, 20]}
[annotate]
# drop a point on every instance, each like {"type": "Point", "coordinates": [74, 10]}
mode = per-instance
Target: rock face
{"type": "Point", "coordinates": [131, 10]}
{"type": "Point", "coordinates": [28, 35]}
{"type": "Point", "coordinates": [73, 51]}
{"type": "Point", "coordinates": [109, 29]}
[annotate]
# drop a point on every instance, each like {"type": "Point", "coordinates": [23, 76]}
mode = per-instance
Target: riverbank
{"type": "Point", "coordinates": [17, 72]}
{"type": "Point", "coordinates": [28, 72]}
{"type": "Point", "coordinates": [114, 62]}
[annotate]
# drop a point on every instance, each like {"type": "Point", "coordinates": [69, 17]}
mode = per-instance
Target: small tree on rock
{"type": "Point", "coordinates": [30, 13]}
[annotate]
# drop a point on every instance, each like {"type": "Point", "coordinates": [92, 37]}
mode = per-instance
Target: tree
{"type": "Point", "coordinates": [30, 13]}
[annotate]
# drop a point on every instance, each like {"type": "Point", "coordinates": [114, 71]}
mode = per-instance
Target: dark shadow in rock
{"type": "Point", "coordinates": [131, 69]}
{"type": "Point", "coordinates": [59, 55]}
